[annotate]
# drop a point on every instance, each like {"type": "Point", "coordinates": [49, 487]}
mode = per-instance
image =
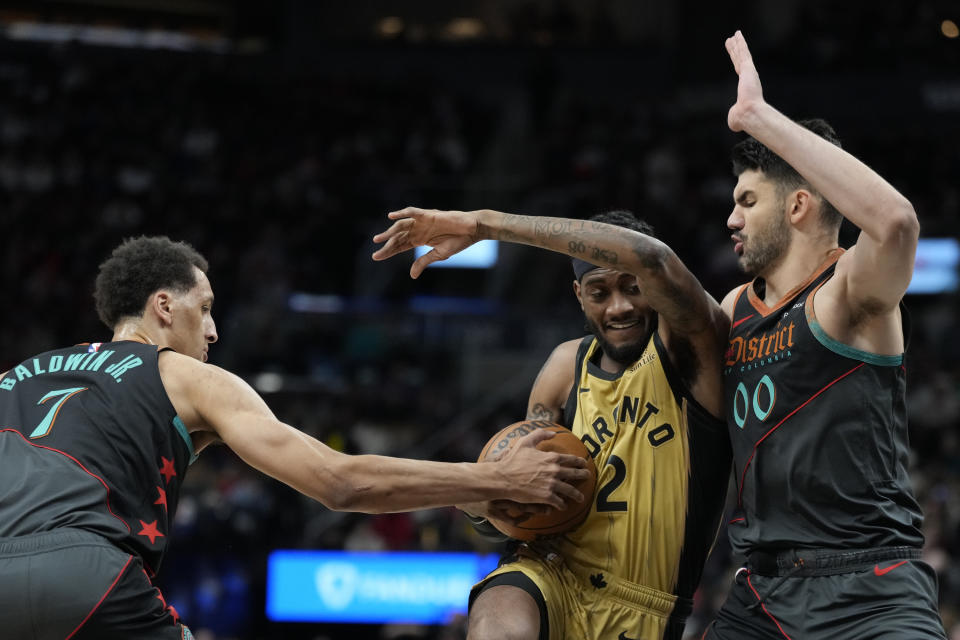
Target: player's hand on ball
{"type": "Point", "coordinates": [533, 442]}
{"type": "Point", "coordinates": [543, 477]}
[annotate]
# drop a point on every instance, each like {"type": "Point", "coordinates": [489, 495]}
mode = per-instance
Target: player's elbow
{"type": "Point", "coordinates": [654, 255]}
{"type": "Point", "coordinates": [346, 485]}
{"type": "Point", "coordinates": [902, 227]}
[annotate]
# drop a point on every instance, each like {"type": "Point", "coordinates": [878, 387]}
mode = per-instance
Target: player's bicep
{"type": "Point", "coordinates": [240, 417]}
{"type": "Point", "coordinates": [553, 384]}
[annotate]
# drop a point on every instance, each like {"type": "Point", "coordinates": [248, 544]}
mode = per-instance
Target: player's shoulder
{"type": "Point", "coordinates": [552, 386]}
{"type": "Point", "coordinates": [179, 369]}
{"type": "Point", "coordinates": [566, 351]}
{"type": "Point", "coordinates": [560, 364]}
{"type": "Point", "coordinates": [730, 300]}
{"type": "Point", "coordinates": [193, 385]}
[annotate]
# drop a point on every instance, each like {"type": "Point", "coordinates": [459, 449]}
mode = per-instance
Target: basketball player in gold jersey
{"type": "Point", "coordinates": [644, 394]}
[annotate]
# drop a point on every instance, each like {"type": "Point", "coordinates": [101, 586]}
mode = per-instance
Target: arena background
{"type": "Point", "coordinates": [275, 136]}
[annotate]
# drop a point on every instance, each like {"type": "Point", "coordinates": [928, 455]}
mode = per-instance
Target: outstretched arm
{"type": "Point", "coordinates": [666, 282]}
{"type": "Point", "coordinates": [547, 397]}
{"type": "Point", "coordinates": [208, 398]}
{"type": "Point", "coordinates": [878, 269]}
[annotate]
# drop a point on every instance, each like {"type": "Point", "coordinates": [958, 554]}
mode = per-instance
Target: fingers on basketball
{"type": "Point", "coordinates": [552, 521]}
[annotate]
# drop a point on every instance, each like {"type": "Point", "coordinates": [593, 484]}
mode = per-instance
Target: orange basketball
{"type": "Point", "coordinates": [554, 521]}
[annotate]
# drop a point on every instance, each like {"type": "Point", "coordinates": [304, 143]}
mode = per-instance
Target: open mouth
{"type": "Point", "coordinates": [623, 325]}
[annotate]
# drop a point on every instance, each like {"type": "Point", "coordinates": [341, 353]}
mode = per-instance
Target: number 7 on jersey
{"type": "Point", "coordinates": [47, 423]}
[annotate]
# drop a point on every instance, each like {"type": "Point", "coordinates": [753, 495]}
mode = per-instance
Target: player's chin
{"type": "Point", "coordinates": [624, 349]}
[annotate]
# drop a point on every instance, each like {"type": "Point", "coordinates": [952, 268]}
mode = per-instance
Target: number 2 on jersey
{"type": "Point", "coordinates": [47, 423]}
{"type": "Point", "coordinates": [657, 437]}
{"type": "Point", "coordinates": [603, 495]}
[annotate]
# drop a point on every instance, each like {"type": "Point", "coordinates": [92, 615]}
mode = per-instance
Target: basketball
{"type": "Point", "coordinates": [556, 520]}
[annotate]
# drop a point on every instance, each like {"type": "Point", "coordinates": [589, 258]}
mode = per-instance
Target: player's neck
{"type": "Point", "coordinates": [133, 330]}
{"type": "Point", "coordinates": [610, 365]}
{"type": "Point", "coordinates": [797, 266]}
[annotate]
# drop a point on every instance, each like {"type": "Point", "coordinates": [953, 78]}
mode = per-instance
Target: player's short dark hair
{"type": "Point", "coordinates": [138, 268]}
{"type": "Point", "coordinates": [625, 219]}
{"type": "Point", "coordinates": [618, 217]}
{"type": "Point", "coordinates": [749, 154]}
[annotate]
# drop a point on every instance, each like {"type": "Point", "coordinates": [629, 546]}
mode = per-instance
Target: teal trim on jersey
{"type": "Point", "coordinates": [849, 352]}
{"type": "Point", "coordinates": [182, 430]}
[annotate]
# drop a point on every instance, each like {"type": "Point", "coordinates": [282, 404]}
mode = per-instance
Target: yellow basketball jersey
{"type": "Point", "coordinates": [662, 470]}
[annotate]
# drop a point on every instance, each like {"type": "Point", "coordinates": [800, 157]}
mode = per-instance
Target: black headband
{"type": "Point", "coordinates": [580, 267]}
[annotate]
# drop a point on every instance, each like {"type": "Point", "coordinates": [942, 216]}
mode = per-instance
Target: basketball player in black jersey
{"type": "Point", "coordinates": [96, 439]}
{"type": "Point", "coordinates": [814, 382]}
{"type": "Point", "coordinates": [644, 394]}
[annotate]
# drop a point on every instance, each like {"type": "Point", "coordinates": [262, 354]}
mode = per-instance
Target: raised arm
{"type": "Point", "coordinates": [877, 270]}
{"type": "Point", "coordinates": [668, 285]}
{"type": "Point", "coordinates": [208, 398]}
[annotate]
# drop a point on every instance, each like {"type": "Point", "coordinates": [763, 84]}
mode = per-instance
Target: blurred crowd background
{"type": "Point", "coordinates": [276, 136]}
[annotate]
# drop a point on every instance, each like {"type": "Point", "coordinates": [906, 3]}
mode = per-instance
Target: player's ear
{"type": "Point", "coordinates": [160, 304]}
{"type": "Point", "coordinates": [801, 205]}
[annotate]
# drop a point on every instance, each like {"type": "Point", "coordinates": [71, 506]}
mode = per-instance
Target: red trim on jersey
{"type": "Point", "coordinates": [743, 474]}
{"type": "Point", "coordinates": [102, 598]}
{"type": "Point", "coordinates": [764, 607]}
{"type": "Point", "coordinates": [737, 520]}
{"type": "Point", "coordinates": [79, 464]}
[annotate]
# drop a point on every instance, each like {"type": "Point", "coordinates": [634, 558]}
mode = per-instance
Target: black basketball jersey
{"type": "Point", "coordinates": [90, 440]}
{"type": "Point", "coordinates": [819, 431]}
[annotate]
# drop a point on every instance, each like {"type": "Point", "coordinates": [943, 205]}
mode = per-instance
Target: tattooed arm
{"type": "Point", "coordinates": [553, 384]}
{"type": "Point", "coordinates": [668, 285]}
{"type": "Point", "coordinates": [691, 322]}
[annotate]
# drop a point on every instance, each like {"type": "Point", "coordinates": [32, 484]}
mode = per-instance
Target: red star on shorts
{"type": "Point", "coordinates": [162, 499]}
{"type": "Point", "coordinates": [167, 470]}
{"type": "Point", "coordinates": [150, 531]}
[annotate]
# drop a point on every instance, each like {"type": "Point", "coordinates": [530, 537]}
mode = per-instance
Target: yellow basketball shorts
{"type": "Point", "coordinates": [589, 603]}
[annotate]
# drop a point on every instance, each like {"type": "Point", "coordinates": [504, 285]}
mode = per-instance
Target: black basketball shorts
{"type": "Point", "coordinates": [75, 585]}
